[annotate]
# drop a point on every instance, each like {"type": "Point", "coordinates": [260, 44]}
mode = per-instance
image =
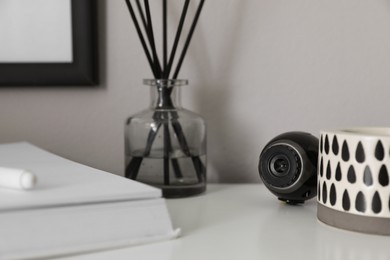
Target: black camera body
{"type": "Point", "coordinates": [288, 166]}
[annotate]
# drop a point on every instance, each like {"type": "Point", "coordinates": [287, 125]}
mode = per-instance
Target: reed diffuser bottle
{"type": "Point", "coordinates": [165, 145]}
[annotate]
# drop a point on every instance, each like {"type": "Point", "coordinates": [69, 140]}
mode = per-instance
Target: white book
{"type": "Point", "coordinates": [75, 208]}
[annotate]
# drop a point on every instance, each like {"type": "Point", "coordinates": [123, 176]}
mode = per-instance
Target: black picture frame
{"type": "Point", "coordinates": [82, 71]}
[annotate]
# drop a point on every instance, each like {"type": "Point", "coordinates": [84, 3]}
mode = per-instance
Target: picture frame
{"type": "Point", "coordinates": [81, 70]}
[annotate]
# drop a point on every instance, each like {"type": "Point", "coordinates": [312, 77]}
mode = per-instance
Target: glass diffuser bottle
{"type": "Point", "coordinates": [165, 144]}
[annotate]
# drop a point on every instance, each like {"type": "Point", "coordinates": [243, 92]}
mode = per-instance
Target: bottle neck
{"type": "Point", "coordinates": [165, 94]}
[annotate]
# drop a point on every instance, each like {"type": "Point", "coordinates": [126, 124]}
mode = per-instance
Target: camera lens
{"type": "Point", "coordinates": [279, 166]}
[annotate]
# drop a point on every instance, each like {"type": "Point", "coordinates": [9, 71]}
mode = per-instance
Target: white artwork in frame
{"type": "Point", "coordinates": [35, 31]}
{"type": "Point", "coordinates": [49, 43]}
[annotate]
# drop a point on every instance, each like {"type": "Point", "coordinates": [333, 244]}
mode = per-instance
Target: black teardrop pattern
{"type": "Point", "coordinates": [360, 202]}
{"type": "Point", "coordinates": [326, 144]}
{"type": "Point", "coordinates": [324, 193]}
{"type": "Point", "coordinates": [332, 195]}
{"type": "Point", "coordinates": [367, 176]}
{"type": "Point", "coordinates": [319, 191]}
{"type": "Point", "coordinates": [383, 176]}
{"type": "Point", "coordinates": [376, 205]}
{"type": "Point", "coordinates": [328, 171]}
{"type": "Point", "coordinates": [351, 175]}
{"type": "Point", "coordinates": [338, 172]}
{"type": "Point", "coordinates": [359, 155]}
{"type": "Point", "coordinates": [379, 151]}
{"type": "Point", "coordinates": [389, 203]}
{"type": "Point", "coordinates": [345, 152]}
{"type": "Point", "coordinates": [346, 201]}
{"type": "Point", "coordinates": [335, 146]}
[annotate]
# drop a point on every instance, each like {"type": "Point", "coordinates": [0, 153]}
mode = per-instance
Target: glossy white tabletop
{"type": "Point", "coordinates": [245, 221]}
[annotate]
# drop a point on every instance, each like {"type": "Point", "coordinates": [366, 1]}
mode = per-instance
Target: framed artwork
{"type": "Point", "coordinates": [48, 43]}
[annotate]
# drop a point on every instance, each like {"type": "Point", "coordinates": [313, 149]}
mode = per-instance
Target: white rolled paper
{"type": "Point", "coordinates": [20, 179]}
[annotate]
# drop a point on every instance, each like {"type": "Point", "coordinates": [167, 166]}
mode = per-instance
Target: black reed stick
{"type": "Point", "coordinates": [132, 14]}
{"type": "Point", "coordinates": [164, 17]}
{"type": "Point", "coordinates": [151, 38]}
{"type": "Point", "coordinates": [197, 162]}
{"type": "Point", "coordinates": [132, 168]}
{"type": "Point", "coordinates": [177, 37]}
{"type": "Point", "coordinates": [142, 15]}
{"type": "Point", "coordinates": [187, 43]}
{"type": "Point", "coordinates": [167, 141]}
{"type": "Point", "coordinates": [167, 149]}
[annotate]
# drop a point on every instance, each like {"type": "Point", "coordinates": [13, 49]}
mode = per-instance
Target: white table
{"type": "Point", "coordinates": [245, 221]}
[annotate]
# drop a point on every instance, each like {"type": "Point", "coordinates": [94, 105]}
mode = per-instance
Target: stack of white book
{"type": "Point", "coordinates": [75, 208]}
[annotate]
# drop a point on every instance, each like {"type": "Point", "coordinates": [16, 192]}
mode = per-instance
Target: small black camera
{"type": "Point", "coordinates": [288, 166]}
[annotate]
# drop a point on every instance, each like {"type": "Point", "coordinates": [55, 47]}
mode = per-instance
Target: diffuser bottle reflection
{"type": "Point", "coordinates": [165, 145]}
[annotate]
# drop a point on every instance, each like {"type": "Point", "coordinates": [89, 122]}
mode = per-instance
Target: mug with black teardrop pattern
{"type": "Point", "coordinates": [353, 179]}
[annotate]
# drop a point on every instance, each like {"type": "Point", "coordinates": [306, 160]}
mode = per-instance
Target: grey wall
{"type": "Point", "coordinates": [256, 69]}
